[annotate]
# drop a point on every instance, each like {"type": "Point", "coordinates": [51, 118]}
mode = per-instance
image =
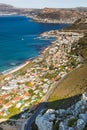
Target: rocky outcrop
{"type": "Point", "coordinates": [73, 118]}
{"type": "Point", "coordinates": [47, 120]}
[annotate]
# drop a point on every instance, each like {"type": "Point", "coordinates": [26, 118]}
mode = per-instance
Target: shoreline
{"type": "Point", "coordinates": [12, 70]}
{"type": "Point", "coordinates": [24, 64]}
{"type": "Point", "coordinates": [27, 61]}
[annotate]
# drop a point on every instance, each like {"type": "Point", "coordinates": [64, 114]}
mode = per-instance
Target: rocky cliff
{"type": "Point", "coordinates": [73, 118]}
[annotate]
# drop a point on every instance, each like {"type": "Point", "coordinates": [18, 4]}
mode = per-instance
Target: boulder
{"type": "Point", "coordinates": [69, 111]}
{"type": "Point", "coordinates": [80, 124]}
{"type": "Point", "coordinates": [71, 128]}
{"type": "Point", "coordinates": [84, 96]}
{"type": "Point", "coordinates": [50, 111]}
{"type": "Point", "coordinates": [62, 126]}
{"type": "Point", "coordinates": [45, 122]}
{"type": "Point", "coordinates": [52, 117]}
{"type": "Point", "coordinates": [83, 117]}
{"type": "Point", "coordinates": [61, 112]}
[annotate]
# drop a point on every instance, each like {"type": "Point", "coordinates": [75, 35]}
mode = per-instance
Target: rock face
{"type": "Point", "coordinates": [74, 118]}
{"type": "Point", "coordinates": [45, 122]}
{"type": "Point", "coordinates": [62, 126]}
{"type": "Point", "coordinates": [83, 117]}
{"type": "Point", "coordinates": [80, 124]}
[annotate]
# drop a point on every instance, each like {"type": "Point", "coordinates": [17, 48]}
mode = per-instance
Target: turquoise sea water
{"type": "Point", "coordinates": [19, 39]}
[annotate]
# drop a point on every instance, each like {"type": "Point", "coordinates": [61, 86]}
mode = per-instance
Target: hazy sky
{"type": "Point", "coordinates": [46, 3]}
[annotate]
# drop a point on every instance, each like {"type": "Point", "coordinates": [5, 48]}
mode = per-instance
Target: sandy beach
{"type": "Point", "coordinates": [10, 71]}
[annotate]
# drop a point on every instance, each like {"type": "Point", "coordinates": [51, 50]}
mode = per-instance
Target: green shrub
{"type": "Point", "coordinates": [71, 122]}
{"type": "Point", "coordinates": [56, 126]}
{"type": "Point", "coordinates": [85, 127]}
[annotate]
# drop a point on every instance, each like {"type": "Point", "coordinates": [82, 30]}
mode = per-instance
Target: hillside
{"type": "Point", "coordinates": [67, 105]}
{"type": "Point", "coordinates": [80, 24]}
{"type": "Point", "coordinates": [69, 90]}
{"type": "Point", "coordinates": [60, 15]}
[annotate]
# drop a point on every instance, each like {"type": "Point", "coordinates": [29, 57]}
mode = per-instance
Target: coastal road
{"type": "Point", "coordinates": [28, 123]}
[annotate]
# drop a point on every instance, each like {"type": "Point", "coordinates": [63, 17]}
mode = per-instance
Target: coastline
{"type": "Point", "coordinates": [26, 62]}
{"type": "Point", "coordinates": [51, 61]}
{"type": "Point", "coordinates": [10, 71]}
{"type": "Point", "coordinates": [23, 64]}
{"type": "Point", "coordinates": [51, 65]}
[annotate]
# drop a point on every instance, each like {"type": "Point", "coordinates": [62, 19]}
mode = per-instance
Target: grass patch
{"type": "Point", "coordinates": [72, 122]}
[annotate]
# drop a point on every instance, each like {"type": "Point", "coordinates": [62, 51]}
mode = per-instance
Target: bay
{"type": "Point", "coordinates": [19, 39]}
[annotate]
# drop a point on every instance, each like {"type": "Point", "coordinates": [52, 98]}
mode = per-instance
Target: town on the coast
{"type": "Point", "coordinates": [25, 90]}
{"type": "Point", "coordinates": [47, 92]}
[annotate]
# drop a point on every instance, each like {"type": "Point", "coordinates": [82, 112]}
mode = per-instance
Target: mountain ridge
{"type": "Point", "coordinates": [46, 15]}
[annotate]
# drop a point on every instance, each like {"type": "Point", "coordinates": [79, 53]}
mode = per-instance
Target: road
{"type": "Point", "coordinates": [28, 123]}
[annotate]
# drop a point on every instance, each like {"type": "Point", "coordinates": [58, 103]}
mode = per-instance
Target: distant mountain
{"type": "Point", "coordinates": [8, 9]}
{"type": "Point", "coordinates": [5, 6]}
{"type": "Point", "coordinates": [49, 15]}
{"type": "Point", "coordinates": [82, 8]}
{"type": "Point", "coordinates": [61, 15]}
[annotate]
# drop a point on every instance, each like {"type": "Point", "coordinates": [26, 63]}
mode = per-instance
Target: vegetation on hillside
{"type": "Point", "coordinates": [79, 25]}
{"type": "Point", "coordinates": [70, 89]}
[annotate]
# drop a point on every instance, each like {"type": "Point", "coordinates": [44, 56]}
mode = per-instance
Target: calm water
{"type": "Point", "coordinates": [19, 39]}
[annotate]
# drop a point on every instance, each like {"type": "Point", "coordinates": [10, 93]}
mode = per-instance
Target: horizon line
{"type": "Point", "coordinates": [44, 7]}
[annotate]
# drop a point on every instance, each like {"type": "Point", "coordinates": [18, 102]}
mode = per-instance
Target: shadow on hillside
{"type": "Point", "coordinates": [13, 123]}
{"type": "Point", "coordinates": [57, 104]}
{"type": "Point", "coordinates": [64, 103]}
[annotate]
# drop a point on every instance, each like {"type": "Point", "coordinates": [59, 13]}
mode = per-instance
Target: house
{"type": "Point", "coordinates": [4, 96]}
{"type": "Point", "coordinates": [1, 102]}
{"type": "Point", "coordinates": [26, 96]}
{"type": "Point", "coordinates": [1, 113]}
{"type": "Point", "coordinates": [16, 99]}
{"type": "Point", "coordinates": [18, 105]}
{"type": "Point", "coordinates": [7, 105]}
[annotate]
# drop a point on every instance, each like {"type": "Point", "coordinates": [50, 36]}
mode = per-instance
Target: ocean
{"type": "Point", "coordinates": [19, 39]}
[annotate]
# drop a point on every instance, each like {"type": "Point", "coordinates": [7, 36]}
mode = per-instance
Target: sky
{"type": "Point", "coordinates": [46, 3]}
